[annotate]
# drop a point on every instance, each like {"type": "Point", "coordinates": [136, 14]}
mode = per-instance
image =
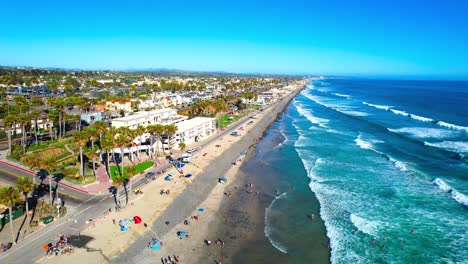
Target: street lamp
{"type": "Point", "coordinates": [58, 212]}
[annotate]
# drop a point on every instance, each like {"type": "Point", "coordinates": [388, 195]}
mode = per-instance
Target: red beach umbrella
{"type": "Point", "coordinates": [137, 219]}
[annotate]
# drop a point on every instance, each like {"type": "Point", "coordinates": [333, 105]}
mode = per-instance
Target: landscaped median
{"type": "Point", "coordinates": [140, 167]}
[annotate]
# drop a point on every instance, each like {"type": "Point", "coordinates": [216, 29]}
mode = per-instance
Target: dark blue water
{"type": "Point", "coordinates": [387, 162]}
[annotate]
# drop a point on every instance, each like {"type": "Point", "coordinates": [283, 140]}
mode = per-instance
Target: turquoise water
{"type": "Point", "coordinates": [387, 163]}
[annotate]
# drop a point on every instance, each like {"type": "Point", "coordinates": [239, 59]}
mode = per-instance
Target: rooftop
{"type": "Point", "coordinates": [139, 115]}
{"type": "Point", "coordinates": [191, 123]}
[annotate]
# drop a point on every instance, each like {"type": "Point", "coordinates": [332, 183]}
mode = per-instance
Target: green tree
{"type": "Point", "coordinates": [122, 141]}
{"type": "Point", "coordinates": [131, 171]}
{"type": "Point", "coordinates": [107, 143]}
{"type": "Point", "coordinates": [10, 125]}
{"type": "Point", "coordinates": [170, 131]}
{"type": "Point", "coordinates": [35, 115]}
{"type": "Point", "coordinates": [25, 185]}
{"type": "Point", "coordinates": [48, 164]}
{"type": "Point", "coordinates": [80, 138]}
{"type": "Point", "coordinates": [182, 146]}
{"type": "Point", "coordinates": [10, 197]}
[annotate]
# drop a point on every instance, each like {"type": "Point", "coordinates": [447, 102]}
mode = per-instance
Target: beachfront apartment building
{"type": "Point", "coordinates": [266, 98]}
{"type": "Point", "coordinates": [195, 129]}
{"type": "Point", "coordinates": [165, 116]}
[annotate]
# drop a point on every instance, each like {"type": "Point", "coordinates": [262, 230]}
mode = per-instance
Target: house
{"type": "Point", "coordinates": [117, 106]}
{"type": "Point", "coordinates": [92, 116]}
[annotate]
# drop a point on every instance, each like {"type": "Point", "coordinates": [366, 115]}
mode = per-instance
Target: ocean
{"type": "Point", "coordinates": [387, 161]}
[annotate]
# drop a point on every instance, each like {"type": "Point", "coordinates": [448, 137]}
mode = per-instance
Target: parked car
{"type": "Point", "coordinates": [190, 151]}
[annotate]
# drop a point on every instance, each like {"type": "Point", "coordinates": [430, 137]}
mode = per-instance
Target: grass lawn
{"type": "Point", "coordinates": [115, 172]}
{"type": "Point", "coordinates": [224, 120]}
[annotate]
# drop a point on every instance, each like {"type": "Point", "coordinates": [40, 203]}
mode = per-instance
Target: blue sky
{"type": "Point", "coordinates": [363, 38]}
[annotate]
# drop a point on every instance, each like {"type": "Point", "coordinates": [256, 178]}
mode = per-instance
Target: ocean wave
{"type": "Point", "coordinates": [456, 195]}
{"type": "Point", "coordinates": [354, 113]}
{"type": "Point", "coordinates": [455, 146]}
{"type": "Point", "coordinates": [364, 225]}
{"type": "Point", "coordinates": [364, 144]}
{"type": "Point", "coordinates": [421, 118]}
{"type": "Point", "coordinates": [342, 95]}
{"type": "Point", "coordinates": [424, 132]}
{"type": "Point", "coordinates": [382, 107]}
{"type": "Point", "coordinates": [452, 126]}
{"type": "Point", "coordinates": [400, 165]}
{"type": "Point", "coordinates": [268, 230]}
{"type": "Point", "coordinates": [400, 112]}
{"type": "Point", "coordinates": [307, 114]}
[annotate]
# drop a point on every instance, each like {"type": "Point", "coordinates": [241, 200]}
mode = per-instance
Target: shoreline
{"type": "Point", "coordinates": [108, 244]}
{"type": "Point", "coordinates": [195, 248]}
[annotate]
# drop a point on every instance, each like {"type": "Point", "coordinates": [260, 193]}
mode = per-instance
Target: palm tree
{"type": "Point", "coordinates": [92, 154]}
{"type": "Point", "coordinates": [25, 185]}
{"type": "Point", "coordinates": [182, 146]}
{"type": "Point", "coordinates": [92, 134]}
{"type": "Point", "coordinates": [122, 142]}
{"type": "Point", "coordinates": [9, 197]}
{"type": "Point", "coordinates": [159, 131]}
{"type": "Point", "coordinates": [108, 145]}
{"type": "Point", "coordinates": [24, 121]}
{"type": "Point", "coordinates": [48, 164]}
{"type": "Point", "coordinates": [58, 103]}
{"type": "Point", "coordinates": [140, 130]}
{"type": "Point", "coordinates": [35, 115]}
{"type": "Point", "coordinates": [131, 171]}
{"type": "Point", "coordinates": [9, 121]}
{"type": "Point", "coordinates": [100, 127]}
{"type": "Point", "coordinates": [171, 130]}
{"type": "Point", "coordinates": [80, 138]}
{"type": "Point", "coordinates": [33, 162]}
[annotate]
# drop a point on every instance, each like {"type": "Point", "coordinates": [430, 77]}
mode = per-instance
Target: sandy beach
{"type": "Point", "coordinates": [108, 244]}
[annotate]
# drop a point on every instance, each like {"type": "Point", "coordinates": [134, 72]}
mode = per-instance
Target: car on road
{"type": "Point", "coordinates": [149, 174]}
{"type": "Point", "coordinates": [190, 151]}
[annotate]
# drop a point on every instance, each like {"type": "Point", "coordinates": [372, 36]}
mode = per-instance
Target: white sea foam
{"type": "Point", "coordinates": [452, 126]}
{"type": "Point", "coordinates": [400, 165]}
{"type": "Point", "coordinates": [425, 132]}
{"type": "Point", "coordinates": [364, 225]}
{"type": "Point", "coordinates": [456, 195]}
{"type": "Point", "coordinates": [399, 112]}
{"type": "Point", "coordinates": [267, 229]}
{"type": "Point", "coordinates": [342, 95]}
{"type": "Point", "coordinates": [308, 114]}
{"type": "Point", "coordinates": [363, 144]}
{"type": "Point", "coordinates": [455, 146]}
{"type": "Point", "coordinates": [421, 118]}
{"type": "Point", "coordinates": [354, 113]}
{"type": "Point", "coordinates": [382, 107]}
{"type": "Point", "coordinates": [442, 185]}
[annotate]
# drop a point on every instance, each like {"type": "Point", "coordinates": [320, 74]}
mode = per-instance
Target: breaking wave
{"type": "Point", "coordinates": [455, 146]}
{"type": "Point", "coordinates": [364, 225]}
{"type": "Point", "coordinates": [424, 132]}
{"type": "Point", "coordinates": [313, 119]}
{"type": "Point", "coordinates": [342, 95]}
{"type": "Point", "coordinates": [452, 126]}
{"type": "Point", "coordinates": [456, 195]}
{"type": "Point", "coordinates": [268, 230]}
{"type": "Point", "coordinates": [382, 107]}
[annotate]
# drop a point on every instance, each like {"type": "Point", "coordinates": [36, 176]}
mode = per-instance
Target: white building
{"type": "Point", "coordinates": [164, 116]}
{"type": "Point", "coordinates": [195, 129]}
{"type": "Point", "coordinates": [267, 98]}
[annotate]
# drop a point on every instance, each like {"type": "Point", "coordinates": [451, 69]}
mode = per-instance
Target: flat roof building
{"type": "Point", "coordinates": [164, 116]}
